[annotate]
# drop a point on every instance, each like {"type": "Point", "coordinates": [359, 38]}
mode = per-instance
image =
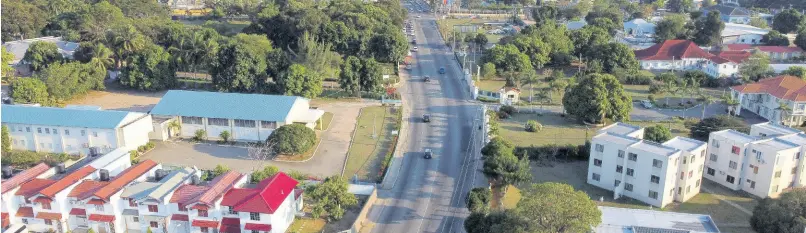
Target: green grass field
{"type": "Point", "coordinates": [366, 152]}
{"type": "Point", "coordinates": [446, 27]}
{"type": "Point", "coordinates": [307, 225]}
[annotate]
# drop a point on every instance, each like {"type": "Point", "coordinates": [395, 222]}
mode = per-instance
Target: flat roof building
{"type": "Point", "coordinates": [622, 220]}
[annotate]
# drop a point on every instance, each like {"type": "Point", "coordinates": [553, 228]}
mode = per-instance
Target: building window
{"type": "Point", "coordinates": [690, 173]}
{"type": "Point", "coordinates": [205, 229]}
{"type": "Point", "coordinates": [191, 120]}
{"type": "Point", "coordinates": [232, 210]}
{"type": "Point", "coordinates": [268, 124]}
{"type": "Point", "coordinates": [653, 194]}
{"type": "Point", "coordinates": [597, 162]}
{"type": "Point", "coordinates": [775, 188]}
{"type": "Point", "coordinates": [692, 158]}
{"type": "Point", "coordinates": [632, 156]}
{"type": "Point", "coordinates": [657, 163]}
{"type": "Point", "coordinates": [99, 207]}
{"type": "Point", "coordinates": [218, 121]}
{"type": "Point", "coordinates": [630, 172]}
{"type": "Point", "coordinates": [715, 143]}
{"type": "Point", "coordinates": [599, 148]}
{"type": "Point", "coordinates": [732, 165]}
{"type": "Point", "coordinates": [654, 179]}
{"type": "Point", "coordinates": [682, 175]}
{"type": "Point", "coordinates": [735, 150]}
{"type": "Point", "coordinates": [797, 156]}
{"type": "Point", "coordinates": [48, 222]}
{"type": "Point", "coordinates": [183, 208]}
{"type": "Point", "coordinates": [730, 179]}
{"type": "Point", "coordinates": [83, 132]}
{"type": "Point", "coordinates": [697, 184]}
{"type": "Point", "coordinates": [752, 184]}
{"type": "Point", "coordinates": [47, 131]}
{"type": "Point", "coordinates": [95, 134]}
{"type": "Point", "coordinates": [254, 231]}
{"type": "Point", "coordinates": [620, 153]}
{"type": "Point", "coordinates": [153, 208]}
{"type": "Point", "coordinates": [628, 187]}
{"type": "Point", "coordinates": [39, 130]}
{"type": "Point", "coordinates": [616, 183]}
{"type": "Point", "coordinates": [202, 213]}
{"type": "Point", "coordinates": [711, 171]}
{"type": "Point", "coordinates": [778, 174]}
{"type": "Point", "coordinates": [153, 224]}
{"type": "Point", "coordinates": [135, 219]}
{"type": "Point", "coordinates": [596, 177]}
{"type": "Point", "coordinates": [254, 216]}
{"type": "Point", "coordinates": [66, 132]}
{"type": "Point", "coordinates": [132, 203]}
{"type": "Point", "coordinates": [713, 158]}
{"type": "Point", "coordinates": [245, 123]}
{"type": "Point", "coordinates": [684, 159]}
{"type": "Point", "coordinates": [794, 170]}
{"type": "Point", "coordinates": [619, 168]}
{"type": "Point", "coordinates": [46, 205]}
{"type": "Point", "coordinates": [27, 129]}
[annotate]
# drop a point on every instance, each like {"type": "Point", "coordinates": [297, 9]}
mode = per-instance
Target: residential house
{"type": "Point", "coordinates": [509, 95]}
{"type": "Point", "coordinates": [729, 13]}
{"type": "Point", "coordinates": [622, 162]}
{"type": "Point", "coordinates": [765, 97]}
{"type": "Point", "coordinates": [248, 117]}
{"type": "Point", "coordinates": [685, 55]}
{"type": "Point", "coordinates": [19, 47]}
{"type": "Point", "coordinates": [203, 202]}
{"type": "Point", "coordinates": [152, 199]}
{"type": "Point", "coordinates": [639, 26]}
{"type": "Point", "coordinates": [74, 130]}
{"type": "Point", "coordinates": [776, 53]}
{"type": "Point", "coordinates": [637, 220]}
{"type": "Point", "coordinates": [742, 34]}
{"type": "Point", "coordinates": [726, 63]}
{"type": "Point", "coordinates": [10, 186]}
{"type": "Point", "coordinates": [270, 207]}
{"type": "Point", "coordinates": [46, 201]}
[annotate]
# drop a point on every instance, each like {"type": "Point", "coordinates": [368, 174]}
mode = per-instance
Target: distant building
{"type": "Point", "coordinates": [622, 220]}
{"type": "Point", "coordinates": [742, 34]}
{"type": "Point", "coordinates": [765, 97]}
{"type": "Point", "coordinates": [729, 13]}
{"type": "Point", "coordinates": [639, 27]}
{"type": "Point", "coordinates": [509, 95]}
{"type": "Point", "coordinates": [19, 47]}
{"type": "Point", "coordinates": [776, 53]}
{"type": "Point", "coordinates": [686, 55]}
{"type": "Point", "coordinates": [248, 117]}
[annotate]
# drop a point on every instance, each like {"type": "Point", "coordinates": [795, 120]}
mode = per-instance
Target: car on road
{"type": "Point", "coordinates": [427, 154]}
{"type": "Point", "coordinates": [418, 16]}
{"type": "Point", "coordinates": [646, 104]}
{"type": "Point", "coordinates": [414, 41]}
{"type": "Point", "coordinates": [427, 79]}
{"type": "Point", "coordinates": [426, 118]}
{"type": "Point", "coordinates": [414, 49]}
{"type": "Point", "coordinates": [441, 70]}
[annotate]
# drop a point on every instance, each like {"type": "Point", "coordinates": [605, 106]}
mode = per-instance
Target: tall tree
{"type": "Point", "coordinates": [556, 36]}
{"type": "Point", "coordinates": [6, 139]}
{"type": "Point", "coordinates": [800, 40]}
{"type": "Point", "coordinates": [530, 78]}
{"type": "Point", "coordinates": [596, 97]}
{"type": "Point", "coordinates": [389, 45]}
{"type": "Point", "coordinates": [587, 38]}
{"type": "Point", "coordinates": [758, 22]}
{"type": "Point", "coordinates": [508, 58]}
{"type": "Point", "coordinates": [706, 100]}
{"type": "Point", "coordinates": [317, 57]}
{"type": "Point", "coordinates": [657, 133]}
{"type": "Point", "coordinates": [788, 21]}
{"type": "Point", "coordinates": [709, 29]}
{"type": "Point", "coordinates": [533, 47]}
{"type": "Point", "coordinates": [671, 27]}
{"type": "Point", "coordinates": [96, 54]}
{"type": "Point", "coordinates": [298, 81]}
{"type": "Point", "coordinates": [240, 65]}
{"type": "Point", "coordinates": [703, 129]}
{"type": "Point", "coordinates": [680, 6]}
{"type": "Point", "coordinates": [6, 58]}
{"type": "Point", "coordinates": [544, 13]}
{"type": "Point", "coordinates": [797, 71]}
{"type": "Point", "coordinates": [21, 20]}
{"type": "Point", "coordinates": [785, 214]}
{"type": "Point", "coordinates": [149, 69]}
{"type": "Point", "coordinates": [556, 207]}
{"type": "Point", "coordinates": [350, 75]}
{"type": "Point", "coordinates": [42, 54]}
{"type": "Point", "coordinates": [29, 90]}
{"type": "Point", "coordinates": [66, 80]}
{"type": "Point", "coordinates": [371, 76]}
{"type": "Point", "coordinates": [614, 56]}
{"type": "Point", "coordinates": [775, 38]}
{"type": "Point", "coordinates": [123, 41]}
{"type": "Point", "coordinates": [96, 21]}
{"type": "Point", "coordinates": [756, 67]}
{"type": "Point", "coordinates": [784, 112]}
{"type": "Point", "coordinates": [331, 197]}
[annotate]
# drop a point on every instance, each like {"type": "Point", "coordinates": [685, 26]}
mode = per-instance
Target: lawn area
{"type": "Point", "coordinates": [306, 225]}
{"type": "Point", "coordinates": [446, 27]}
{"type": "Point", "coordinates": [324, 123]}
{"type": "Point", "coordinates": [512, 197]}
{"type": "Point", "coordinates": [640, 92]}
{"type": "Point", "coordinates": [560, 130]}
{"type": "Point", "coordinates": [366, 153]}
{"type": "Point", "coordinates": [495, 85]}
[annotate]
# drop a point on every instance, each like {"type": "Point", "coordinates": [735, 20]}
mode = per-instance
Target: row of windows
{"type": "Point", "coordinates": [630, 156]}
{"type": "Point", "coordinates": [225, 122]}
{"type": "Point", "coordinates": [202, 213]}
{"type": "Point", "coordinates": [50, 130]}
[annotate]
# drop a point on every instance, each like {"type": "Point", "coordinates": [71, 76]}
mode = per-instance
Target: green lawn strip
{"type": "Point", "coordinates": [307, 225]}
{"type": "Point", "coordinates": [512, 197]}
{"type": "Point", "coordinates": [324, 123]}
{"type": "Point", "coordinates": [366, 153]}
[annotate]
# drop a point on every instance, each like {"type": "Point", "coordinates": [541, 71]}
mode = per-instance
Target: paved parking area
{"type": "Point", "coordinates": [328, 160]}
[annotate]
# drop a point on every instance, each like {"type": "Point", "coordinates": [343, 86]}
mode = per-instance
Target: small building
{"type": "Point", "coordinates": [19, 47]}
{"type": "Point", "coordinates": [151, 199]}
{"type": "Point", "coordinates": [191, 202]}
{"type": "Point", "coordinates": [509, 95]}
{"type": "Point", "coordinates": [726, 63]}
{"type": "Point", "coordinates": [766, 96]}
{"type": "Point", "coordinates": [621, 220]}
{"type": "Point", "coordinates": [742, 34]}
{"type": "Point", "coordinates": [12, 184]}
{"type": "Point", "coordinates": [74, 131]}
{"type": "Point", "coordinates": [639, 26]}
{"type": "Point", "coordinates": [673, 54]}
{"type": "Point", "coordinates": [270, 207]}
{"type": "Point", "coordinates": [729, 13]}
{"type": "Point", "coordinates": [776, 53]}
{"type": "Point", "coordinates": [247, 117]}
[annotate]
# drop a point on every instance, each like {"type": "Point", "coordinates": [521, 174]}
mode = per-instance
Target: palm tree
{"type": "Point", "coordinates": [174, 126]}
{"type": "Point", "coordinates": [706, 100]}
{"type": "Point", "coordinates": [558, 86]}
{"type": "Point", "coordinates": [731, 102]}
{"type": "Point", "coordinates": [530, 78]}
{"type": "Point", "coordinates": [101, 57]}
{"type": "Point", "coordinates": [784, 111]}
{"type": "Point", "coordinates": [124, 41]}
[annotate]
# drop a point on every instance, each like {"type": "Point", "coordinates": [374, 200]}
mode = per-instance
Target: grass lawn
{"type": "Point", "coordinates": [366, 152]}
{"type": "Point", "coordinates": [306, 225]}
{"type": "Point", "coordinates": [446, 27]}
{"type": "Point", "coordinates": [512, 197]}
{"type": "Point", "coordinates": [640, 92]}
{"type": "Point", "coordinates": [324, 123]}
{"type": "Point", "coordinates": [559, 130]}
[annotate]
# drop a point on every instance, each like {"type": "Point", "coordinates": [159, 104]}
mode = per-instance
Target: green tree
{"type": "Point", "coordinates": [298, 81]}
{"type": "Point", "coordinates": [29, 90]}
{"type": "Point", "coordinates": [797, 71]}
{"type": "Point", "coordinates": [556, 36]}
{"type": "Point", "coordinates": [708, 3]}
{"type": "Point", "coordinates": [530, 78]}
{"type": "Point", "coordinates": [6, 139]}
{"type": "Point", "coordinates": [481, 40]}
{"type": "Point", "coordinates": [42, 54]}
{"type": "Point", "coordinates": [66, 80]}
{"type": "Point", "coordinates": [558, 85]}
{"type": "Point", "coordinates": [331, 197]}
{"type": "Point", "coordinates": [614, 56]}
{"type": "Point", "coordinates": [317, 57]}
{"type": "Point", "coordinates": [21, 20]}
{"type": "Point", "coordinates": [371, 76]}
{"type": "Point", "coordinates": [350, 75]}
{"type": "Point", "coordinates": [507, 58]}
{"type": "Point", "coordinates": [497, 221]}
{"type": "Point", "coordinates": [657, 133]}
{"type": "Point", "coordinates": [731, 102]}
{"type": "Point", "coordinates": [219, 170]}
{"type": "Point", "coordinates": [240, 65]}
{"type": "Point", "coordinates": [587, 38]}
{"type": "Point", "coordinates": [96, 22]}
{"type": "Point", "coordinates": [680, 6]}
{"type": "Point", "coordinates": [800, 40]}
{"type": "Point", "coordinates": [784, 112]}
{"type": "Point", "coordinates": [150, 69]}
{"type": "Point", "coordinates": [488, 70]}
{"type": "Point", "coordinates": [125, 40]}
{"type": "Point", "coordinates": [389, 44]}
{"type": "Point", "coordinates": [497, 146]}
{"type": "Point", "coordinates": [556, 207]}
{"type": "Point", "coordinates": [141, 8]}
{"type": "Point", "coordinates": [788, 21]}
{"type": "Point", "coordinates": [756, 67]}
{"type": "Point", "coordinates": [225, 136]}
{"type": "Point", "coordinates": [597, 97]}
{"type": "Point", "coordinates": [606, 24]}
{"type": "Point", "coordinates": [96, 54]}
{"type": "Point", "coordinates": [534, 48]}
{"type": "Point", "coordinates": [545, 13]}
{"type": "Point", "coordinates": [292, 139]}
{"type": "Point", "coordinates": [502, 167]}
{"type": "Point", "coordinates": [758, 22]}
{"type": "Point", "coordinates": [775, 38]}
{"type": "Point", "coordinates": [478, 199]}
{"type": "Point", "coordinates": [702, 129]}
{"type": "Point", "coordinates": [6, 58]}
{"type": "Point", "coordinates": [671, 27]}
{"type": "Point", "coordinates": [708, 29]}
{"type": "Point", "coordinates": [260, 175]}
{"type": "Point", "coordinates": [785, 214]}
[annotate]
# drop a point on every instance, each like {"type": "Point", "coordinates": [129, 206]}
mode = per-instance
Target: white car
{"type": "Point", "coordinates": [418, 16]}
{"type": "Point", "coordinates": [414, 49]}
{"type": "Point", "coordinates": [646, 104]}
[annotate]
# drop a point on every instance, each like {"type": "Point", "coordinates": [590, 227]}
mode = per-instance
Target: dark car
{"type": "Point", "coordinates": [427, 79]}
{"type": "Point", "coordinates": [426, 118]}
{"type": "Point", "coordinates": [427, 154]}
{"type": "Point", "coordinates": [442, 70]}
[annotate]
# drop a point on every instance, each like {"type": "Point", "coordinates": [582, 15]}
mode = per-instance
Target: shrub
{"type": "Point", "coordinates": [298, 175]}
{"type": "Point", "coordinates": [267, 172]}
{"type": "Point", "coordinates": [150, 145]}
{"type": "Point", "coordinates": [568, 152]}
{"type": "Point", "coordinates": [503, 115]}
{"type": "Point", "coordinates": [657, 133]}
{"type": "Point", "coordinates": [224, 136]}
{"type": "Point", "coordinates": [133, 155]}
{"type": "Point", "coordinates": [292, 139]}
{"type": "Point", "coordinates": [701, 130]}
{"type": "Point", "coordinates": [656, 88]}
{"type": "Point", "coordinates": [651, 98]}
{"type": "Point", "coordinates": [640, 78]}
{"type": "Point", "coordinates": [533, 126]}
{"type": "Point", "coordinates": [507, 109]}
{"type": "Point", "coordinates": [478, 200]}
{"type": "Point", "coordinates": [142, 148]}
{"type": "Point", "coordinates": [199, 135]}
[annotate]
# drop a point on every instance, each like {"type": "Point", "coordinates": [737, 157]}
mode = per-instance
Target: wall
{"type": "Point", "coordinates": [743, 39]}
{"type": "Point", "coordinates": [68, 139]}
{"type": "Point", "coordinates": [724, 156]}
{"type": "Point", "coordinates": [136, 133]}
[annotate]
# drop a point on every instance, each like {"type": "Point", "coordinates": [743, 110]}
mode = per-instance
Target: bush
{"type": "Point", "coordinates": [292, 139]}
{"type": "Point", "coordinates": [568, 152]}
{"type": "Point", "coordinates": [507, 109]}
{"type": "Point", "coordinates": [199, 135]}
{"type": "Point", "coordinates": [703, 129]}
{"type": "Point", "coordinates": [224, 136]}
{"type": "Point", "coordinates": [133, 155]}
{"type": "Point", "coordinates": [261, 175]}
{"type": "Point", "coordinates": [533, 126]}
{"type": "Point", "coordinates": [651, 98]}
{"type": "Point", "coordinates": [142, 148]}
{"type": "Point", "coordinates": [503, 115]}
{"type": "Point", "coordinates": [639, 78]}
{"type": "Point", "coordinates": [656, 88]}
{"type": "Point", "coordinates": [150, 145]}
{"type": "Point", "coordinates": [657, 133]}
{"type": "Point", "coordinates": [478, 200]}
{"type": "Point", "coordinates": [25, 159]}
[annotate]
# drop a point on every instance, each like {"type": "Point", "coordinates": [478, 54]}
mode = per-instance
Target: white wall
{"type": "Point", "coordinates": [724, 155]}
{"type": "Point", "coordinates": [136, 133]}
{"type": "Point", "coordinates": [67, 139]}
{"type": "Point", "coordinates": [743, 39]}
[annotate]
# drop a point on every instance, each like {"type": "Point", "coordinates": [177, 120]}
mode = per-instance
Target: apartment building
{"type": "Point", "coordinates": [764, 163]}
{"type": "Point", "coordinates": [11, 185]}
{"type": "Point", "coordinates": [765, 97]}
{"type": "Point", "coordinates": [622, 162]}
{"type": "Point", "coordinates": [203, 202]}
{"type": "Point", "coordinates": [74, 130]}
{"type": "Point", "coordinates": [269, 207]}
{"type": "Point", "coordinates": [152, 199]}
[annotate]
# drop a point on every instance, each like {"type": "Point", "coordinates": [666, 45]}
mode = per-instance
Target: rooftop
{"type": "Point", "coordinates": [166, 184]}
{"type": "Point", "coordinates": [735, 29]}
{"type": "Point", "coordinates": [783, 87]}
{"type": "Point", "coordinates": [23, 177]}
{"type": "Point", "coordinates": [65, 117]}
{"type": "Point", "coordinates": [799, 138]}
{"type": "Point", "coordinates": [672, 49]}
{"type": "Point", "coordinates": [124, 178]}
{"type": "Point", "coordinates": [68, 180]}
{"type": "Point", "coordinates": [775, 144]}
{"type": "Point", "coordinates": [763, 48]}
{"type": "Point", "coordinates": [730, 56]}
{"type": "Point", "coordinates": [736, 135]}
{"type": "Point", "coordinates": [622, 220]}
{"type": "Point", "coordinates": [265, 198]}
{"type": "Point", "coordinates": [238, 106]}
{"type": "Point", "coordinates": [684, 143]}
{"type": "Point", "coordinates": [655, 148]}
{"type": "Point", "coordinates": [620, 128]}
{"type": "Point", "coordinates": [32, 187]}
{"type": "Point", "coordinates": [778, 129]}
{"type": "Point", "coordinates": [19, 47]}
{"type": "Point", "coordinates": [86, 189]}
{"type": "Point", "coordinates": [728, 10]}
{"type": "Point", "coordinates": [616, 138]}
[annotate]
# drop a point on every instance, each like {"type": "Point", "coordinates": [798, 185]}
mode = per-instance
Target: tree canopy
{"type": "Point", "coordinates": [657, 133]}
{"type": "Point", "coordinates": [597, 97]}
{"type": "Point", "coordinates": [292, 139]}
{"type": "Point", "coordinates": [775, 38]}
{"type": "Point", "coordinates": [756, 67]}
{"type": "Point", "coordinates": [149, 69]}
{"type": "Point", "coordinates": [42, 54]}
{"type": "Point", "coordinates": [788, 21]}
{"type": "Point", "coordinates": [703, 129]}
{"type": "Point", "coordinates": [331, 197]}
{"type": "Point", "coordinates": [796, 71]}
{"type": "Point", "coordinates": [786, 214]}
{"type": "Point", "coordinates": [29, 90]}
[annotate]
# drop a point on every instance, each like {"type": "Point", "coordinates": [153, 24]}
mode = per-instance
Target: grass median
{"type": "Point", "coordinates": [373, 140]}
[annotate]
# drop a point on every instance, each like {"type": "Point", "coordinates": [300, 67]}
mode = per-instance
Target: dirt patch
{"type": "Point", "coordinates": [118, 98]}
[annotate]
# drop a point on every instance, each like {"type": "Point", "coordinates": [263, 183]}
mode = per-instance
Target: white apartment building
{"type": "Point", "coordinates": [247, 117]}
{"type": "Point", "coordinates": [10, 186]}
{"type": "Point", "coordinates": [151, 199]}
{"type": "Point", "coordinates": [766, 96]}
{"type": "Point", "coordinates": [74, 130]}
{"type": "Point", "coordinates": [657, 174]}
{"type": "Point", "coordinates": [195, 202]}
{"type": "Point", "coordinates": [763, 164]}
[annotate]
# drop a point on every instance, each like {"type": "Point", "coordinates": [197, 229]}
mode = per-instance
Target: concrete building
{"type": "Point", "coordinates": [729, 13]}
{"type": "Point", "coordinates": [678, 55]}
{"type": "Point", "coordinates": [776, 53]}
{"type": "Point", "coordinates": [247, 117]}
{"type": "Point", "coordinates": [151, 199]}
{"type": "Point", "coordinates": [10, 186]}
{"type": "Point", "coordinates": [620, 220]}
{"type": "Point", "coordinates": [622, 162]}
{"type": "Point", "coordinates": [765, 97]}
{"type": "Point", "coordinates": [19, 47]}
{"type": "Point", "coordinates": [203, 202]}
{"type": "Point", "coordinates": [763, 164]}
{"type": "Point", "coordinates": [269, 207]}
{"type": "Point", "coordinates": [742, 34]}
{"type": "Point", "coordinates": [74, 130]}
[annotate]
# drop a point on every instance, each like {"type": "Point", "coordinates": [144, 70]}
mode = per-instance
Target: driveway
{"type": "Point", "coordinates": [328, 160]}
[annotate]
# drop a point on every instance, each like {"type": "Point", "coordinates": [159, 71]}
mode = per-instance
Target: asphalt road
{"type": "Point", "coordinates": [428, 194]}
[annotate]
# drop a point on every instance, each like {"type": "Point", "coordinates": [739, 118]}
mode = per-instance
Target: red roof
{"type": "Point", "coordinates": [218, 187]}
{"type": "Point", "coordinates": [782, 87]}
{"type": "Point", "coordinates": [731, 56]}
{"type": "Point", "coordinates": [78, 211]}
{"type": "Point", "coordinates": [230, 225]}
{"type": "Point", "coordinates": [86, 188]}
{"type": "Point", "coordinates": [266, 198]}
{"type": "Point", "coordinates": [672, 49]}
{"type": "Point", "coordinates": [68, 180]}
{"type": "Point", "coordinates": [42, 200]}
{"type": "Point", "coordinates": [231, 221]}
{"type": "Point", "coordinates": [96, 201]}
{"type": "Point", "coordinates": [51, 216]}
{"type": "Point", "coordinates": [200, 207]}
{"type": "Point", "coordinates": [124, 178]}
{"type": "Point", "coordinates": [764, 48]}
{"type": "Point", "coordinates": [4, 219]}
{"type": "Point", "coordinates": [179, 217]}
{"type": "Point", "coordinates": [27, 212]}
{"type": "Point", "coordinates": [739, 47]}
{"type": "Point", "coordinates": [205, 223]}
{"type": "Point", "coordinates": [257, 227]}
{"type": "Point", "coordinates": [185, 193]}
{"type": "Point", "coordinates": [102, 218]}
{"type": "Point", "coordinates": [33, 187]}
{"type": "Point", "coordinates": [23, 177]}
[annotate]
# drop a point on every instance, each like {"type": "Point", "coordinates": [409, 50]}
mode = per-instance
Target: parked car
{"type": "Point", "coordinates": [427, 154]}
{"type": "Point", "coordinates": [646, 104]}
{"type": "Point", "coordinates": [427, 79]}
{"type": "Point", "coordinates": [414, 49]}
{"type": "Point", "coordinates": [426, 118]}
{"type": "Point", "coordinates": [441, 70]}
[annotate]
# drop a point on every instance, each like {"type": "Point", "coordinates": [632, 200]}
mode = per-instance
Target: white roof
{"type": "Point", "coordinates": [19, 47]}
{"type": "Point", "coordinates": [734, 29]}
{"type": "Point", "coordinates": [640, 25]}
{"type": "Point", "coordinates": [774, 144]}
{"type": "Point", "coordinates": [620, 128]}
{"type": "Point", "coordinates": [736, 135]}
{"type": "Point", "coordinates": [310, 116]}
{"type": "Point", "coordinates": [799, 138]}
{"type": "Point", "coordinates": [779, 129]}
{"type": "Point", "coordinates": [684, 143]}
{"type": "Point", "coordinates": [616, 138]}
{"type": "Point", "coordinates": [655, 148]}
{"type": "Point", "coordinates": [621, 220]}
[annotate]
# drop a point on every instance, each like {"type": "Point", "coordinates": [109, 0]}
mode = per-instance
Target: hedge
{"type": "Point", "coordinates": [568, 152]}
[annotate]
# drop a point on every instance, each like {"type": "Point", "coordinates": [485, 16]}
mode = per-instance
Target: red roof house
{"type": "Point", "coordinates": [33, 187]}
{"type": "Point", "coordinates": [730, 56]}
{"type": "Point", "coordinates": [672, 50]}
{"type": "Point", "coordinates": [24, 176]}
{"type": "Point", "coordinates": [782, 87]}
{"type": "Point", "coordinates": [68, 180]}
{"type": "Point", "coordinates": [265, 198]}
{"type": "Point", "coordinates": [124, 178]}
{"type": "Point", "coordinates": [204, 196]}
